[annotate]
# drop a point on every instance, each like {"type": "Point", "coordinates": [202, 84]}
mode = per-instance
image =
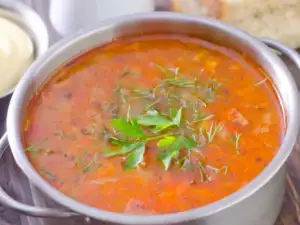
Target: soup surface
{"type": "Point", "coordinates": [154, 124]}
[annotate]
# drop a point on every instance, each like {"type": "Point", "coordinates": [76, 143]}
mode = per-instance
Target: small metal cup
{"type": "Point", "coordinates": [30, 22]}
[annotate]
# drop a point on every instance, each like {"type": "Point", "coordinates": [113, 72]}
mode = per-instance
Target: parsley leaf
{"type": "Point", "coordinates": [153, 118]}
{"type": "Point", "coordinates": [166, 141]}
{"type": "Point", "coordinates": [116, 141]}
{"type": "Point", "coordinates": [135, 157]}
{"type": "Point", "coordinates": [129, 128]}
{"type": "Point", "coordinates": [167, 156]}
{"type": "Point", "coordinates": [160, 121]}
{"type": "Point", "coordinates": [126, 148]}
{"type": "Point", "coordinates": [177, 118]}
{"type": "Point", "coordinates": [179, 143]}
{"type": "Point", "coordinates": [188, 143]}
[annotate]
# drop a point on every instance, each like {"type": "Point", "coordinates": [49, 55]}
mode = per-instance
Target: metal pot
{"type": "Point", "coordinates": [258, 203]}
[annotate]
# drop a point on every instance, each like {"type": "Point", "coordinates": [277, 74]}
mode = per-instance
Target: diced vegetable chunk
{"type": "Point", "coordinates": [237, 117]}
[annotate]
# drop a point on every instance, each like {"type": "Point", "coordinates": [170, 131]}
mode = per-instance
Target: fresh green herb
{"type": "Point", "coordinates": [214, 85]}
{"type": "Point", "coordinates": [157, 137]}
{"type": "Point", "coordinates": [197, 150]}
{"type": "Point", "coordinates": [122, 95]}
{"type": "Point", "coordinates": [202, 102]}
{"type": "Point", "coordinates": [79, 159]}
{"type": "Point", "coordinates": [204, 176]}
{"type": "Point", "coordinates": [174, 79]}
{"type": "Point", "coordinates": [236, 140]}
{"type": "Point", "coordinates": [129, 128]}
{"type": "Point", "coordinates": [126, 148]}
{"type": "Point", "coordinates": [209, 96]}
{"type": "Point", "coordinates": [159, 121]}
{"type": "Point", "coordinates": [120, 91]}
{"type": "Point", "coordinates": [173, 132]}
{"type": "Point", "coordinates": [49, 175]}
{"type": "Point", "coordinates": [135, 154]}
{"type": "Point", "coordinates": [167, 156]}
{"type": "Point", "coordinates": [200, 117]}
{"type": "Point", "coordinates": [91, 163]}
{"type": "Point", "coordinates": [166, 141]}
{"type": "Point", "coordinates": [104, 132]}
{"type": "Point", "coordinates": [187, 163]}
{"type": "Point", "coordinates": [82, 164]}
{"type": "Point", "coordinates": [179, 82]}
{"type": "Point", "coordinates": [194, 136]}
{"type": "Point", "coordinates": [153, 118]}
{"type": "Point", "coordinates": [112, 109]}
{"type": "Point", "coordinates": [189, 126]}
{"type": "Point", "coordinates": [135, 157]}
{"type": "Point", "coordinates": [224, 169]}
{"type": "Point", "coordinates": [144, 93]}
{"type": "Point", "coordinates": [35, 146]}
{"type": "Point", "coordinates": [211, 91]}
{"type": "Point", "coordinates": [182, 102]}
{"type": "Point", "coordinates": [201, 135]}
{"type": "Point", "coordinates": [214, 169]}
{"type": "Point", "coordinates": [127, 71]}
{"type": "Point", "coordinates": [64, 135]}
{"type": "Point", "coordinates": [175, 71]}
{"type": "Point", "coordinates": [260, 82]}
{"type": "Point", "coordinates": [213, 130]}
{"type": "Point", "coordinates": [178, 144]}
{"type": "Point", "coordinates": [165, 71]}
{"type": "Point", "coordinates": [177, 118]}
{"type": "Point", "coordinates": [114, 140]}
{"type": "Point", "coordinates": [188, 143]}
{"type": "Point", "coordinates": [153, 104]}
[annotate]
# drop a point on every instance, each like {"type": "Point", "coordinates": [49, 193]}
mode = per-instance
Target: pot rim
{"type": "Point", "coordinates": [121, 218]}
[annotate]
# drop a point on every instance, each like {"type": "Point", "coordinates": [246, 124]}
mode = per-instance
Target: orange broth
{"type": "Point", "coordinates": [88, 132]}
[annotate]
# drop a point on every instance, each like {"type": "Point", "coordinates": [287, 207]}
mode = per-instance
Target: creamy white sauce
{"type": "Point", "coordinates": [16, 54]}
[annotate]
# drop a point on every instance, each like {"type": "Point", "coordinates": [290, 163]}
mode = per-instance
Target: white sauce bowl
{"type": "Point", "coordinates": [28, 20]}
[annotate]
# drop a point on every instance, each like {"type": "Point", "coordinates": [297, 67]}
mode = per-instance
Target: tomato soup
{"type": "Point", "coordinates": [154, 124]}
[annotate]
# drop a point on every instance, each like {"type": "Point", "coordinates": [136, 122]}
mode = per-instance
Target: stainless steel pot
{"type": "Point", "coordinates": [258, 203]}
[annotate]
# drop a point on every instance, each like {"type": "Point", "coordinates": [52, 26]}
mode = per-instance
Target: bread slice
{"type": "Point", "coordinates": [276, 19]}
{"type": "Point", "coordinates": [211, 8]}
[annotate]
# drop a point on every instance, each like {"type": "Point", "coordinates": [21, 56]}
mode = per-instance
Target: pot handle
{"type": "Point", "coordinates": [289, 52]}
{"type": "Point", "coordinates": [28, 210]}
